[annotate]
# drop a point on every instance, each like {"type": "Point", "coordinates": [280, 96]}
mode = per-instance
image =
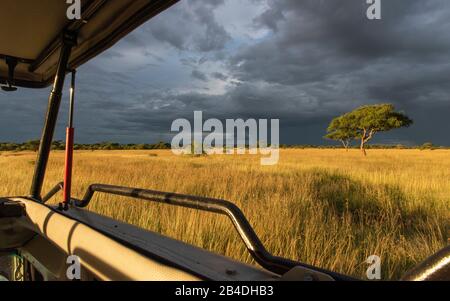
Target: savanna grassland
{"type": "Point", "coordinates": [329, 208]}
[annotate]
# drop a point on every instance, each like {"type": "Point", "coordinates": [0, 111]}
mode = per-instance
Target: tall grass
{"type": "Point", "coordinates": [329, 208]}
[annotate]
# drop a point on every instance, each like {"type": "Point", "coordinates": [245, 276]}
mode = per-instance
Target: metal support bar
{"type": "Point", "coordinates": [58, 187]}
{"type": "Point", "coordinates": [54, 101]}
{"type": "Point", "coordinates": [69, 149]}
{"type": "Point", "coordinates": [270, 262]}
{"type": "Point", "coordinates": [12, 64]}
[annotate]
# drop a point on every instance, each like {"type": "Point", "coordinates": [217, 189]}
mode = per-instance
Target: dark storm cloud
{"type": "Point", "coordinates": [221, 76]}
{"type": "Point", "coordinates": [199, 75]}
{"type": "Point", "coordinates": [332, 55]}
{"type": "Point", "coordinates": [215, 36]}
{"type": "Point", "coordinates": [192, 27]}
{"type": "Point", "coordinates": [319, 39]}
{"type": "Point", "coordinates": [311, 60]}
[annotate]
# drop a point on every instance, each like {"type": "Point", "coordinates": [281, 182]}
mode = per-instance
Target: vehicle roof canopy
{"type": "Point", "coordinates": [31, 33]}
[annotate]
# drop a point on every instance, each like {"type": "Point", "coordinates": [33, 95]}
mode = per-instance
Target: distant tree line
{"type": "Point", "coordinates": [60, 145]}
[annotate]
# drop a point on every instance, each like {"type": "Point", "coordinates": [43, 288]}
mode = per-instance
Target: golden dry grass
{"type": "Point", "coordinates": [328, 208]}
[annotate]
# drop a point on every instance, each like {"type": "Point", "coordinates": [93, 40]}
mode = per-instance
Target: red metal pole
{"type": "Point", "coordinates": [68, 165]}
{"type": "Point", "coordinates": [70, 132]}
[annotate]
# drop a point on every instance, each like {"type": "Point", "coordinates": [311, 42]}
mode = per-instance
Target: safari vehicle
{"type": "Point", "coordinates": [39, 47]}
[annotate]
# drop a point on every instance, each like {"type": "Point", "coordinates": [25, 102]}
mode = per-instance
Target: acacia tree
{"type": "Point", "coordinates": [366, 121]}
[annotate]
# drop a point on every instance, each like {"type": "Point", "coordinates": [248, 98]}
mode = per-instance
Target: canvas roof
{"type": "Point", "coordinates": [30, 31]}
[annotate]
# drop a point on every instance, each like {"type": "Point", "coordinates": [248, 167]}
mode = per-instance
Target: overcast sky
{"type": "Point", "coordinates": [300, 61]}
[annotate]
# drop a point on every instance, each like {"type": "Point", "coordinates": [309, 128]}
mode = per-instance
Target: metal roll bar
{"type": "Point", "coordinates": [434, 268]}
{"type": "Point", "coordinates": [254, 245]}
